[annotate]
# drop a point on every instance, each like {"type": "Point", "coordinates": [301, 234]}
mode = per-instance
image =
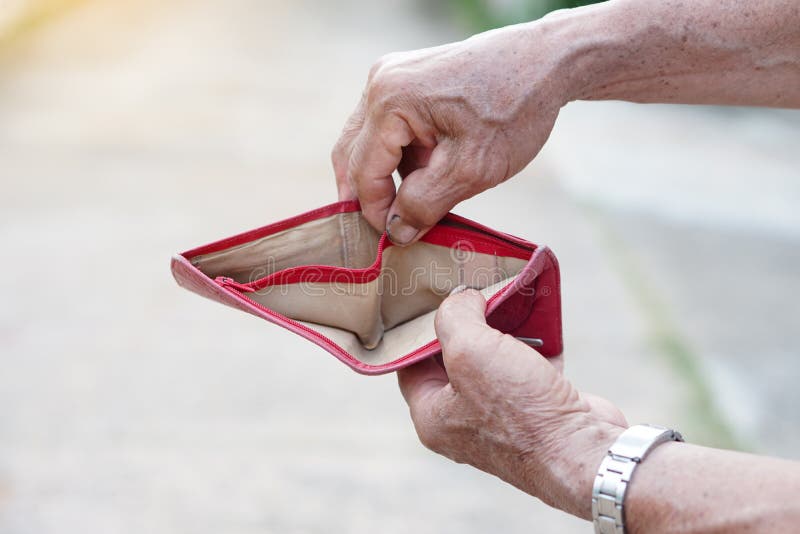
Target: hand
{"type": "Point", "coordinates": [455, 120]}
{"type": "Point", "coordinates": [503, 408]}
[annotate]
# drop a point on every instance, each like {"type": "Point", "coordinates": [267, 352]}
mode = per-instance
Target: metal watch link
{"type": "Point", "coordinates": [616, 469]}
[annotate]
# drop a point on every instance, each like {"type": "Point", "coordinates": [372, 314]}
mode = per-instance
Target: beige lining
{"type": "Point", "coordinates": [342, 240]}
{"type": "Point", "coordinates": [398, 341]}
{"type": "Point", "coordinates": [374, 321]}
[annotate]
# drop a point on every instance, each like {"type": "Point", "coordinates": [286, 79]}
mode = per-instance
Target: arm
{"type": "Point", "coordinates": [503, 408]}
{"type": "Point", "coordinates": [458, 119]}
{"type": "Point", "coordinates": [687, 488]}
{"type": "Point", "coordinates": [697, 52]}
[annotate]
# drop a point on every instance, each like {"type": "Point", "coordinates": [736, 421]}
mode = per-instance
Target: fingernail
{"type": "Point", "coordinates": [399, 232]}
{"type": "Point", "coordinates": [458, 289]}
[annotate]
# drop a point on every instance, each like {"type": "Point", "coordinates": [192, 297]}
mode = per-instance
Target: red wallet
{"type": "Point", "coordinates": [328, 276]}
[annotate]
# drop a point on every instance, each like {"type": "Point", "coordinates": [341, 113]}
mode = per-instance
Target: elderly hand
{"type": "Point", "coordinates": [506, 410]}
{"type": "Point", "coordinates": [455, 120]}
{"type": "Point", "coordinates": [458, 119]}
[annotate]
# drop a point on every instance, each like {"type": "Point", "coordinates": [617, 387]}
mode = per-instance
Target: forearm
{"type": "Point", "coordinates": [686, 488]}
{"type": "Point", "coordinates": [743, 52]}
{"type": "Point", "coordinates": [679, 487]}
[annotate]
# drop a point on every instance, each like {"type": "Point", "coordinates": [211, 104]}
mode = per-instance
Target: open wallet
{"type": "Point", "coordinates": [329, 276]}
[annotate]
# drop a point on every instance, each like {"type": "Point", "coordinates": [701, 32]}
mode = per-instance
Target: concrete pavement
{"type": "Point", "coordinates": [702, 205]}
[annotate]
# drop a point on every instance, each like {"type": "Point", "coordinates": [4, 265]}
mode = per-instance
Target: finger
{"type": "Point", "coordinates": [425, 196]}
{"type": "Point", "coordinates": [461, 328]}
{"type": "Point", "coordinates": [376, 153]}
{"type": "Point", "coordinates": [470, 345]}
{"type": "Point", "coordinates": [340, 155]}
{"type": "Point", "coordinates": [420, 381]}
{"type": "Point", "coordinates": [459, 314]}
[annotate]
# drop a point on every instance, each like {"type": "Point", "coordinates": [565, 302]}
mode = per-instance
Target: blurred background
{"type": "Point", "coordinates": [133, 130]}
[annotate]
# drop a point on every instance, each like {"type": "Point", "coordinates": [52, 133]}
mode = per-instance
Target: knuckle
{"type": "Point", "coordinates": [428, 431]}
{"type": "Point", "coordinates": [382, 62]}
{"type": "Point", "coordinates": [354, 158]}
{"type": "Point", "coordinates": [429, 438]}
{"type": "Point", "coordinates": [445, 314]}
{"type": "Point", "coordinates": [337, 152]}
{"type": "Point", "coordinates": [378, 77]}
{"type": "Point", "coordinates": [387, 134]}
{"type": "Point", "coordinates": [383, 93]}
{"type": "Point", "coordinates": [375, 68]}
{"type": "Point", "coordinates": [385, 87]}
{"type": "Point", "coordinates": [416, 209]}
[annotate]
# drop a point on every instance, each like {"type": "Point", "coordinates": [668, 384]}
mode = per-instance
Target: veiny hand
{"type": "Point", "coordinates": [455, 120]}
{"type": "Point", "coordinates": [503, 408]}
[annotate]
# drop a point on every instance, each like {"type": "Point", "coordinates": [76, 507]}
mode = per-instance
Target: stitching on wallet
{"type": "Point", "coordinates": [345, 241]}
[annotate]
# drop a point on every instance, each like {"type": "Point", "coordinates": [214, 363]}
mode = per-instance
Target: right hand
{"type": "Point", "coordinates": [500, 406]}
{"type": "Point", "coordinates": [455, 120]}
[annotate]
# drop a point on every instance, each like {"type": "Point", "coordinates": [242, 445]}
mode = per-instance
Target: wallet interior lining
{"type": "Point", "coordinates": [342, 240]}
{"type": "Point", "coordinates": [398, 341]}
{"type": "Point", "coordinates": [376, 319]}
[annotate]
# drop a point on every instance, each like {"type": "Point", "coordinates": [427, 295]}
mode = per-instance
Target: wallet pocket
{"type": "Point", "coordinates": [340, 297]}
{"type": "Point", "coordinates": [329, 277]}
{"type": "Point", "coordinates": [343, 290]}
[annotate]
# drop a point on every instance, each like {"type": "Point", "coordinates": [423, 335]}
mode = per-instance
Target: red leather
{"type": "Point", "coordinates": [529, 306]}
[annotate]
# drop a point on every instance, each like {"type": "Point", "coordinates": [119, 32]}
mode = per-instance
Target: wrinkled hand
{"type": "Point", "coordinates": [503, 408]}
{"type": "Point", "coordinates": [455, 120]}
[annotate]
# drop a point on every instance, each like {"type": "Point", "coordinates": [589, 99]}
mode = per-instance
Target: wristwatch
{"type": "Point", "coordinates": [616, 469]}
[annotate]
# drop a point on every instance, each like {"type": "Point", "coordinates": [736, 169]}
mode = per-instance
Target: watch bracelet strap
{"type": "Point", "coordinates": [616, 469]}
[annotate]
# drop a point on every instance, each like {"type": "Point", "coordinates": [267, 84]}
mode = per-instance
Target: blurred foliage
{"type": "Point", "coordinates": [480, 15]}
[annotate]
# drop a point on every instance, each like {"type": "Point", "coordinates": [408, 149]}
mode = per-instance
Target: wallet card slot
{"type": "Point", "coordinates": [464, 243]}
{"type": "Point", "coordinates": [323, 273]}
{"type": "Point", "coordinates": [316, 242]}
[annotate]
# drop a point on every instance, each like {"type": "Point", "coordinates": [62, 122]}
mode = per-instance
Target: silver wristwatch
{"type": "Point", "coordinates": [616, 469]}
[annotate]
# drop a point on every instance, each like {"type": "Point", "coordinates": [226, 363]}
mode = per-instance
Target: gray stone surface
{"type": "Point", "coordinates": [129, 131]}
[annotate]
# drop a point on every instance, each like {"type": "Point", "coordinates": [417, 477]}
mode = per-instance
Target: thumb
{"type": "Point", "coordinates": [424, 197]}
{"type": "Point", "coordinates": [459, 321]}
{"type": "Point", "coordinates": [472, 348]}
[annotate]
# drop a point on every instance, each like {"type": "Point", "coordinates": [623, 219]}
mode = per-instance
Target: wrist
{"type": "Point", "coordinates": [580, 461]}
{"type": "Point", "coordinates": [604, 50]}
{"type": "Point", "coordinates": [588, 45]}
{"type": "Point", "coordinates": [570, 466]}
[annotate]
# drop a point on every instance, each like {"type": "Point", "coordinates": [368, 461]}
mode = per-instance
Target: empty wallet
{"type": "Point", "coordinates": [330, 277]}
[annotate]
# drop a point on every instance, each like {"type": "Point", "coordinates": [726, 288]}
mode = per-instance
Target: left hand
{"type": "Point", "coordinates": [454, 120]}
{"type": "Point", "coordinates": [500, 406]}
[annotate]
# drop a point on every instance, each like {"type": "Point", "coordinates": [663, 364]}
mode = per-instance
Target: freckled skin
{"type": "Point", "coordinates": [460, 118]}
{"type": "Point", "coordinates": [478, 111]}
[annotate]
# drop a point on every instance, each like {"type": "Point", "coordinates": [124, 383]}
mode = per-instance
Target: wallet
{"type": "Point", "coordinates": [330, 277]}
